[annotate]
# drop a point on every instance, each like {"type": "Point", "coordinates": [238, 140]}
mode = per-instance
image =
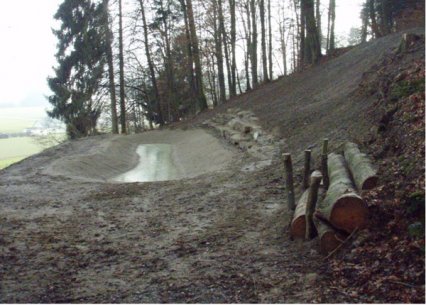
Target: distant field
{"type": "Point", "coordinates": [15, 149]}
{"type": "Point", "coordinates": [16, 119]}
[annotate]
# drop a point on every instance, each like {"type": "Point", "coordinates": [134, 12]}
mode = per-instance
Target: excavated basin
{"type": "Point", "coordinates": [155, 164]}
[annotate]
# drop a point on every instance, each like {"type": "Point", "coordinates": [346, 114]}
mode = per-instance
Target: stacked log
{"type": "Point", "coordinates": [329, 238]}
{"type": "Point", "coordinates": [305, 208]}
{"type": "Point", "coordinates": [342, 207]}
{"type": "Point", "coordinates": [298, 224]}
{"type": "Point", "coordinates": [365, 176]}
{"type": "Point", "coordinates": [342, 211]}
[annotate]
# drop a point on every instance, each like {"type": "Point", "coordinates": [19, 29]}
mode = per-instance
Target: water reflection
{"type": "Point", "coordinates": [155, 164]}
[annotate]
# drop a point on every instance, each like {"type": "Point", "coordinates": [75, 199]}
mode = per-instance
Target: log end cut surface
{"type": "Point", "coordinates": [329, 241]}
{"type": "Point", "coordinates": [349, 213]}
{"type": "Point", "coordinates": [298, 227]}
{"type": "Point", "coordinates": [370, 183]}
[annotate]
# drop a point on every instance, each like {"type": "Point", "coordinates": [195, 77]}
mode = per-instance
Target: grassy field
{"type": "Point", "coordinates": [15, 149]}
{"type": "Point", "coordinates": [16, 119]}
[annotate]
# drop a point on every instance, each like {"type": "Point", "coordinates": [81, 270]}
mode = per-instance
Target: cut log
{"type": "Point", "coordinates": [329, 239]}
{"type": "Point", "coordinates": [311, 203]}
{"type": "Point", "coordinates": [342, 207]}
{"type": "Point", "coordinates": [298, 224]}
{"type": "Point", "coordinates": [289, 181]}
{"type": "Point", "coordinates": [359, 163]}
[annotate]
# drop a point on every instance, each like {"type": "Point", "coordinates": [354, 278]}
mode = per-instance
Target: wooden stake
{"type": "Point", "coordinates": [289, 180]}
{"type": "Point", "coordinates": [311, 203]}
{"type": "Point", "coordinates": [324, 164]}
{"type": "Point", "coordinates": [307, 172]}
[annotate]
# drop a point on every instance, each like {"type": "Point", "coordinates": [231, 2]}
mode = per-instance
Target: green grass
{"type": "Point", "coordinates": [6, 162]}
{"type": "Point", "coordinates": [15, 149]}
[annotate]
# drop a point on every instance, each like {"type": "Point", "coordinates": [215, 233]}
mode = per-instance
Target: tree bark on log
{"type": "Point", "coordinates": [298, 224]}
{"type": "Point", "coordinates": [359, 163]}
{"type": "Point", "coordinates": [329, 239]}
{"type": "Point", "coordinates": [342, 207]}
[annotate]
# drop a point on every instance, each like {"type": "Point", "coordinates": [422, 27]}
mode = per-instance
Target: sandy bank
{"type": "Point", "coordinates": [195, 152]}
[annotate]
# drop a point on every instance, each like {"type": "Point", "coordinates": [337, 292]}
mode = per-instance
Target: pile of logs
{"type": "Point", "coordinates": [340, 211]}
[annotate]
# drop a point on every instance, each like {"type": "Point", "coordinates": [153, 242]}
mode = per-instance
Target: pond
{"type": "Point", "coordinates": [155, 164]}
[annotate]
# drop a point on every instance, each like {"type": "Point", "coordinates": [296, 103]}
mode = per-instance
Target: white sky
{"type": "Point", "coordinates": [28, 47]}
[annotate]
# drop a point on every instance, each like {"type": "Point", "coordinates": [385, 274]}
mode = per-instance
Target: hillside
{"type": "Point", "coordinates": [71, 234]}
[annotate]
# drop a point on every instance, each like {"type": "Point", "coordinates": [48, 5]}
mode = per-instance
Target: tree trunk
{"type": "Point", "coordinates": [253, 56]}
{"type": "Point", "coordinates": [202, 102]}
{"type": "Point", "coordinates": [332, 19]}
{"type": "Point", "coordinates": [233, 89]}
{"type": "Point", "coordinates": [312, 43]}
{"type": "Point", "coordinates": [247, 31]}
{"type": "Point", "coordinates": [121, 60]}
{"type": "Point", "coordinates": [151, 65]}
{"type": "Point", "coordinates": [318, 19]}
{"type": "Point", "coordinates": [342, 207]}
{"type": "Point", "coordinates": [109, 55]}
{"type": "Point", "coordinates": [192, 83]}
{"type": "Point", "coordinates": [263, 39]}
{"type": "Point", "coordinates": [329, 239]}
{"type": "Point", "coordinates": [219, 54]}
{"type": "Point", "coordinates": [271, 70]}
{"type": "Point", "coordinates": [374, 25]}
{"type": "Point", "coordinates": [365, 176]}
{"type": "Point", "coordinates": [302, 33]}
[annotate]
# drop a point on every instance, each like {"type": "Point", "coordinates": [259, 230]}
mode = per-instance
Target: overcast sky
{"type": "Point", "coordinates": [28, 47]}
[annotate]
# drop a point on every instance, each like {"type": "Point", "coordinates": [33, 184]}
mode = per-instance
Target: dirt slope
{"type": "Point", "coordinates": [219, 237]}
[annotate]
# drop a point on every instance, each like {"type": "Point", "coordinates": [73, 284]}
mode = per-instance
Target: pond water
{"type": "Point", "coordinates": [155, 164]}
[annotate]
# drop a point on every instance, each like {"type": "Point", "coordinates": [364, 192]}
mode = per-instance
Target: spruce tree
{"type": "Point", "coordinates": [81, 59]}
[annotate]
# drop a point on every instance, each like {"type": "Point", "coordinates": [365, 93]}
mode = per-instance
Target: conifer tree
{"type": "Point", "coordinates": [81, 61]}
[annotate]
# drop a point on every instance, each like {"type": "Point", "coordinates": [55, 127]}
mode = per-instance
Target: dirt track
{"type": "Point", "coordinates": [218, 237]}
{"type": "Point", "coordinates": [215, 238]}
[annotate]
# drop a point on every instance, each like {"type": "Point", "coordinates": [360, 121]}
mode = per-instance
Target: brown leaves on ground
{"type": "Point", "coordinates": [387, 262]}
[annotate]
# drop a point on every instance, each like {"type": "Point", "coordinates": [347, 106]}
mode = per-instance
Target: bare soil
{"type": "Point", "coordinates": [69, 235]}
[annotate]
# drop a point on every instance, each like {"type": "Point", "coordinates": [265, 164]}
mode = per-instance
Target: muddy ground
{"type": "Point", "coordinates": [218, 237]}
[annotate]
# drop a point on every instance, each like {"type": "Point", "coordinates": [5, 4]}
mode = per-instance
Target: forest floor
{"type": "Point", "coordinates": [67, 234]}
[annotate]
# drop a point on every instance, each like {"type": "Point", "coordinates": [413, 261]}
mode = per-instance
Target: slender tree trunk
{"type": "Point", "coordinates": [283, 44]}
{"type": "Point", "coordinates": [189, 51]}
{"type": "Point", "coordinates": [223, 36]}
{"type": "Point", "coordinates": [218, 47]}
{"type": "Point", "coordinates": [271, 69]}
{"type": "Point", "coordinates": [202, 102]}
{"type": "Point", "coordinates": [151, 65]}
{"type": "Point", "coordinates": [332, 9]}
{"type": "Point", "coordinates": [121, 60]}
{"type": "Point", "coordinates": [233, 89]}
{"type": "Point", "coordinates": [302, 33]}
{"type": "Point", "coordinates": [253, 56]}
{"type": "Point", "coordinates": [318, 20]}
{"type": "Point", "coordinates": [247, 31]}
{"type": "Point", "coordinates": [263, 39]}
{"type": "Point", "coordinates": [108, 41]}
